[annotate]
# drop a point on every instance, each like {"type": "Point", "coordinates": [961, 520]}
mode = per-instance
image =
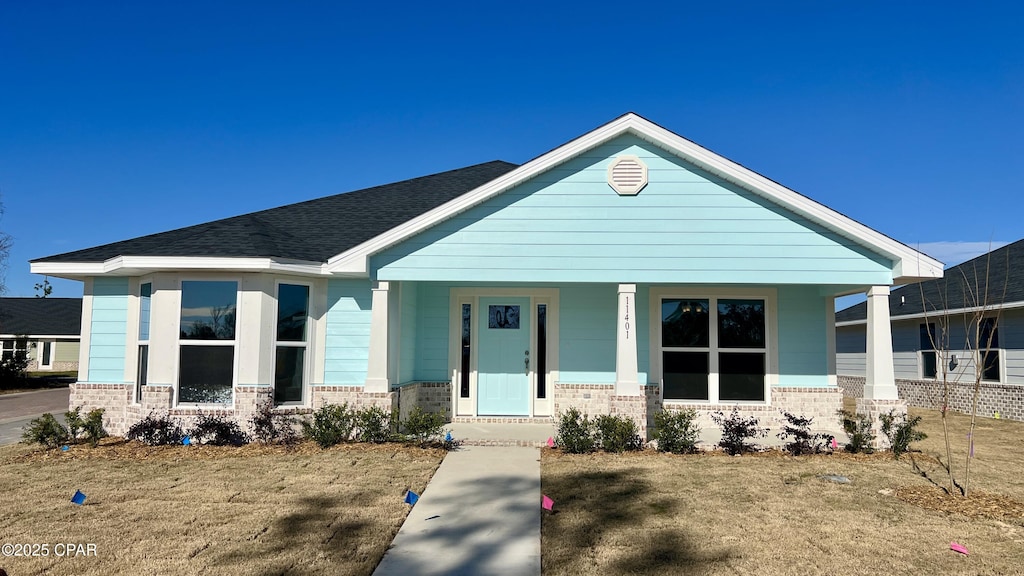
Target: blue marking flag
{"type": "Point", "coordinates": [64, 448]}
{"type": "Point", "coordinates": [411, 497]}
{"type": "Point", "coordinates": [78, 498]}
{"type": "Point", "coordinates": [448, 436]}
{"type": "Point", "coordinates": [186, 441]}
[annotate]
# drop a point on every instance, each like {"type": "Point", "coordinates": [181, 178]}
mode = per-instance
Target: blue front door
{"type": "Point", "coordinates": [503, 360]}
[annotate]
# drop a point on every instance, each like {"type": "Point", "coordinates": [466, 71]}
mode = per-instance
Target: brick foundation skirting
{"type": "Point", "coordinates": [1005, 399]}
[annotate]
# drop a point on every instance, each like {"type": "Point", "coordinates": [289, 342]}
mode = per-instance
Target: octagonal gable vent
{"type": "Point", "coordinates": [627, 175]}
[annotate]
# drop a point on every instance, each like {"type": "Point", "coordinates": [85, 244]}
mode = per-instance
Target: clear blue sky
{"type": "Point", "coordinates": [129, 118]}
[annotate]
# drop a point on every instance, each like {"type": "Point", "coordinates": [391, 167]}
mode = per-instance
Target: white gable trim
{"type": "Point", "coordinates": [909, 264]}
{"type": "Point", "coordinates": [137, 265]}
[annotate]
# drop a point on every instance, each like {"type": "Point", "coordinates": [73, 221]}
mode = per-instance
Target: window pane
{"type": "Point", "coordinates": [140, 378]}
{"type": "Point", "coordinates": [542, 350]}
{"type": "Point", "coordinates": [205, 374]}
{"type": "Point", "coordinates": [685, 375]}
{"type": "Point", "coordinates": [467, 322]}
{"type": "Point", "coordinates": [685, 323]}
{"type": "Point", "coordinates": [145, 304]}
{"type": "Point", "coordinates": [208, 310]}
{"type": "Point", "coordinates": [929, 368]}
{"type": "Point", "coordinates": [292, 312]}
{"type": "Point", "coordinates": [741, 323]}
{"type": "Point", "coordinates": [740, 376]}
{"type": "Point", "coordinates": [927, 336]}
{"type": "Point", "coordinates": [989, 334]}
{"type": "Point", "coordinates": [990, 365]}
{"type": "Point", "coordinates": [47, 346]}
{"type": "Point", "coordinates": [288, 374]}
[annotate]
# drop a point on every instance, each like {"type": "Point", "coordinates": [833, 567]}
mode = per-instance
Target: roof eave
{"type": "Point", "coordinates": [138, 265]}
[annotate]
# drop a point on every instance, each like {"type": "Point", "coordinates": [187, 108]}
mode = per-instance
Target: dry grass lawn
{"type": "Point", "coordinates": [772, 515]}
{"type": "Point", "coordinates": [206, 510]}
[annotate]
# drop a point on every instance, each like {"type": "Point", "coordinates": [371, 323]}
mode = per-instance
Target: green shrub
{"type": "Point", "coordinates": [575, 432]}
{"type": "Point", "coordinates": [676, 431]}
{"type": "Point", "coordinates": [156, 430]}
{"type": "Point", "coordinates": [374, 424]}
{"type": "Point", "coordinates": [74, 423]}
{"type": "Point", "coordinates": [858, 429]}
{"type": "Point", "coordinates": [217, 431]}
{"type": "Point", "coordinates": [617, 433]}
{"type": "Point", "coordinates": [901, 431]}
{"type": "Point", "coordinates": [269, 427]}
{"type": "Point", "coordinates": [45, 430]}
{"type": "Point", "coordinates": [797, 437]}
{"type": "Point", "coordinates": [736, 430]}
{"type": "Point", "coordinates": [331, 424]}
{"type": "Point", "coordinates": [13, 365]}
{"type": "Point", "coordinates": [93, 427]}
{"type": "Point", "coordinates": [423, 427]}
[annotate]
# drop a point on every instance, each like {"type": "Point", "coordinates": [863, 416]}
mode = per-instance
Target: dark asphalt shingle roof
{"type": "Point", "coordinates": [41, 316]}
{"type": "Point", "coordinates": [314, 230]}
{"type": "Point", "coordinates": [962, 286]}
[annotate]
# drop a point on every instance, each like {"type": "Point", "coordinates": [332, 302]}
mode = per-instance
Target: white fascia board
{"type": "Point", "coordinates": [41, 336]}
{"type": "Point", "coordinates": [910, 265]}
{"type": "Point", "coordinates": [940, 313]}
{"type": "Point", "coordinates": [135, 265]}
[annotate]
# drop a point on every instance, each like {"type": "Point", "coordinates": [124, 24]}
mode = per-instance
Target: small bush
{"type": "Point", "coordinates": [423, 427]}
{"type": "Point", "coordinates": [374, 424]}
{"type": "Point", "coordinates": [217, 431]}
{"type": "Point", "coordinates": [901, 431]}
{"type": "Point", "coordinates": [797, 437]}
{"type": "Point", "coordinates": [331, 424]}
{"type": "Point", "coordinates": [93, 427]}
{"type": "Point", "coordinates": [271, 428]}
{"type": "Point", "coordinates": [676, 431]}
{"type": "Point", "coordinates": [575, 432]}
{"type": "Point", "coordinates": [858, 429]}
{"type": "Point", "coordinates": [45, 430]}
{"type": "Point", "coordinates": [617, 433]}
{"type": "Point", "coordinates": [156, 430]}
{"type": "Point", "coordinates": [736, 430]}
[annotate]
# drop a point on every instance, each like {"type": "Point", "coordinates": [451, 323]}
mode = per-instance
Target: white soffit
{"type": "Point", "coordinates": [910, 265]}
{"type": "Point", "coordinates": [134, 265]}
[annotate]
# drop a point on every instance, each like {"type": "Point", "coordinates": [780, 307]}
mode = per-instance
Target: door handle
{"type": "Point", "coordinates": [526, 362]}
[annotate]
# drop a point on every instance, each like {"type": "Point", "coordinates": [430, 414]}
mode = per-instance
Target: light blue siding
{"type": "Point", "coordinates": [109, 330]}
{"type": "Point", "coordinates": [686, 226]}
{"type": "Point", "coordinates": [586, 327]}
{"type": "Point", "coordinates": [803, 354]}
{"type": "Point", "coordinates": [432, 334]}
{"type": "Point", "coordinates": [407, 342]}
{"type": "Point", "coordinates": [348, 332]}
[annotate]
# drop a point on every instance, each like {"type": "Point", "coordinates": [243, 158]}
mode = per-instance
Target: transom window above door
{"type": "Point", "coordinates": [713, 349]}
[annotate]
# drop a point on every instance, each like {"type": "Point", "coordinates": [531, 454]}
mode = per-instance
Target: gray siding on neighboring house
{"type": "Point", "coordinates": [851, 350]}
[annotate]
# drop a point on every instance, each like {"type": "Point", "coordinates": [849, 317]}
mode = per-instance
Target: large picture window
{"type": "Point", "coordinates": [292, 343]}
{"type": "Point", "coordinates": [206, 341]}
{"type": "Point", "coordinates": [713, 349]}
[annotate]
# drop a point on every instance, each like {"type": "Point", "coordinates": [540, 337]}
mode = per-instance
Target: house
{"type": "Point", "coordinates": [623, 271]}
{"type": "Point", "coordinates": [969, 323]}
{"type": "Point", "coordinates": [46, 328]}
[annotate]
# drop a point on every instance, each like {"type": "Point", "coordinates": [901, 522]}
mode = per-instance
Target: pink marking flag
{"type": "Point", "coordinates": [547, 503]}
{"type": "Point", "coordinates": [958, 548]}
{"type": "Point", "coordinates": [551, 442]}
{"type": "Point", "coordinates": [835, 445]}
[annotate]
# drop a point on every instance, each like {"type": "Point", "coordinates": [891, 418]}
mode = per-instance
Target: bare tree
{"type": "Point", "coordinates": [5, 249]}
{"type": "Point", "coordinates": [980, 300]}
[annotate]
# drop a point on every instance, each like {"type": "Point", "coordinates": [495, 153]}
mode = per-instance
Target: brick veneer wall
{"type": "Point", "coordinates": [822, 404]}
{"type": "Point", "coordinates": [434, 397]}
{"type": "Point", "coordinates": [1006, 399]}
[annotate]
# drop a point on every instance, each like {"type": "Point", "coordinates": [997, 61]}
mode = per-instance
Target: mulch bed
{"type": "Point", "coordinates": [975, 505]}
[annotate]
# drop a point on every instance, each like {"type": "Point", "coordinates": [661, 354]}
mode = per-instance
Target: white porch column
{"type": "Point", "coordinates": [377, 369]}
{"type": "Point", "coordinates": [626, 380]}
{"type": "Point", "coordinates": [880, 381]}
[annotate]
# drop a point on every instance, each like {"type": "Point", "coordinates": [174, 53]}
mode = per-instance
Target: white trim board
{"type": "Point", "coordinates": [910, 265]}
{"type": "Point", "coordinates": [940, 313]}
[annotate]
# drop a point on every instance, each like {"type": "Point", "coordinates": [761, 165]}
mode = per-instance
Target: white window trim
{"type": "Point", "coordinates": [713, 294]}
{"type": "Point", "coordinates": [39, 354]}
{"type": "Point", "coordinates": [306, 344]}
{"type": "Point", "coordinates": [233, 343]}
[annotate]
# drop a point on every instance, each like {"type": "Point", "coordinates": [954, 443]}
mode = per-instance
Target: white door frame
{"type": "Point", "coordinates": [471, 296]}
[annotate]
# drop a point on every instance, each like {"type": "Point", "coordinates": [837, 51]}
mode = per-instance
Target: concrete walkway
{"type": "Point", "coordinates": [480, 514]}
{"type": "Point", "coordinates": [17, 410]}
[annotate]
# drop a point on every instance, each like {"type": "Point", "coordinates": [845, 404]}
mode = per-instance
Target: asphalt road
{"type": "Point", "coordinates": [16, 410]}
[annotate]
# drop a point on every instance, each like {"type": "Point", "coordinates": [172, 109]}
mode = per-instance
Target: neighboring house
{"type": "Point", "coordinates": [626, 270]}
{"type": "Point", "coordinates": [47, 328]}
{"type": "Point", "coordinates": [936, 330]}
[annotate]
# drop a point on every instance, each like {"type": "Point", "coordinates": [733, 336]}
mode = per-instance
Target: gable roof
{"type": "Point", "coordinates": [909, 265]}
{"type": "Point", "coordinates": [41, 316]}
{"type": "Point", "coordinates": [962, 288]}
{"type": "Point", "coordinates": [310, 231]}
